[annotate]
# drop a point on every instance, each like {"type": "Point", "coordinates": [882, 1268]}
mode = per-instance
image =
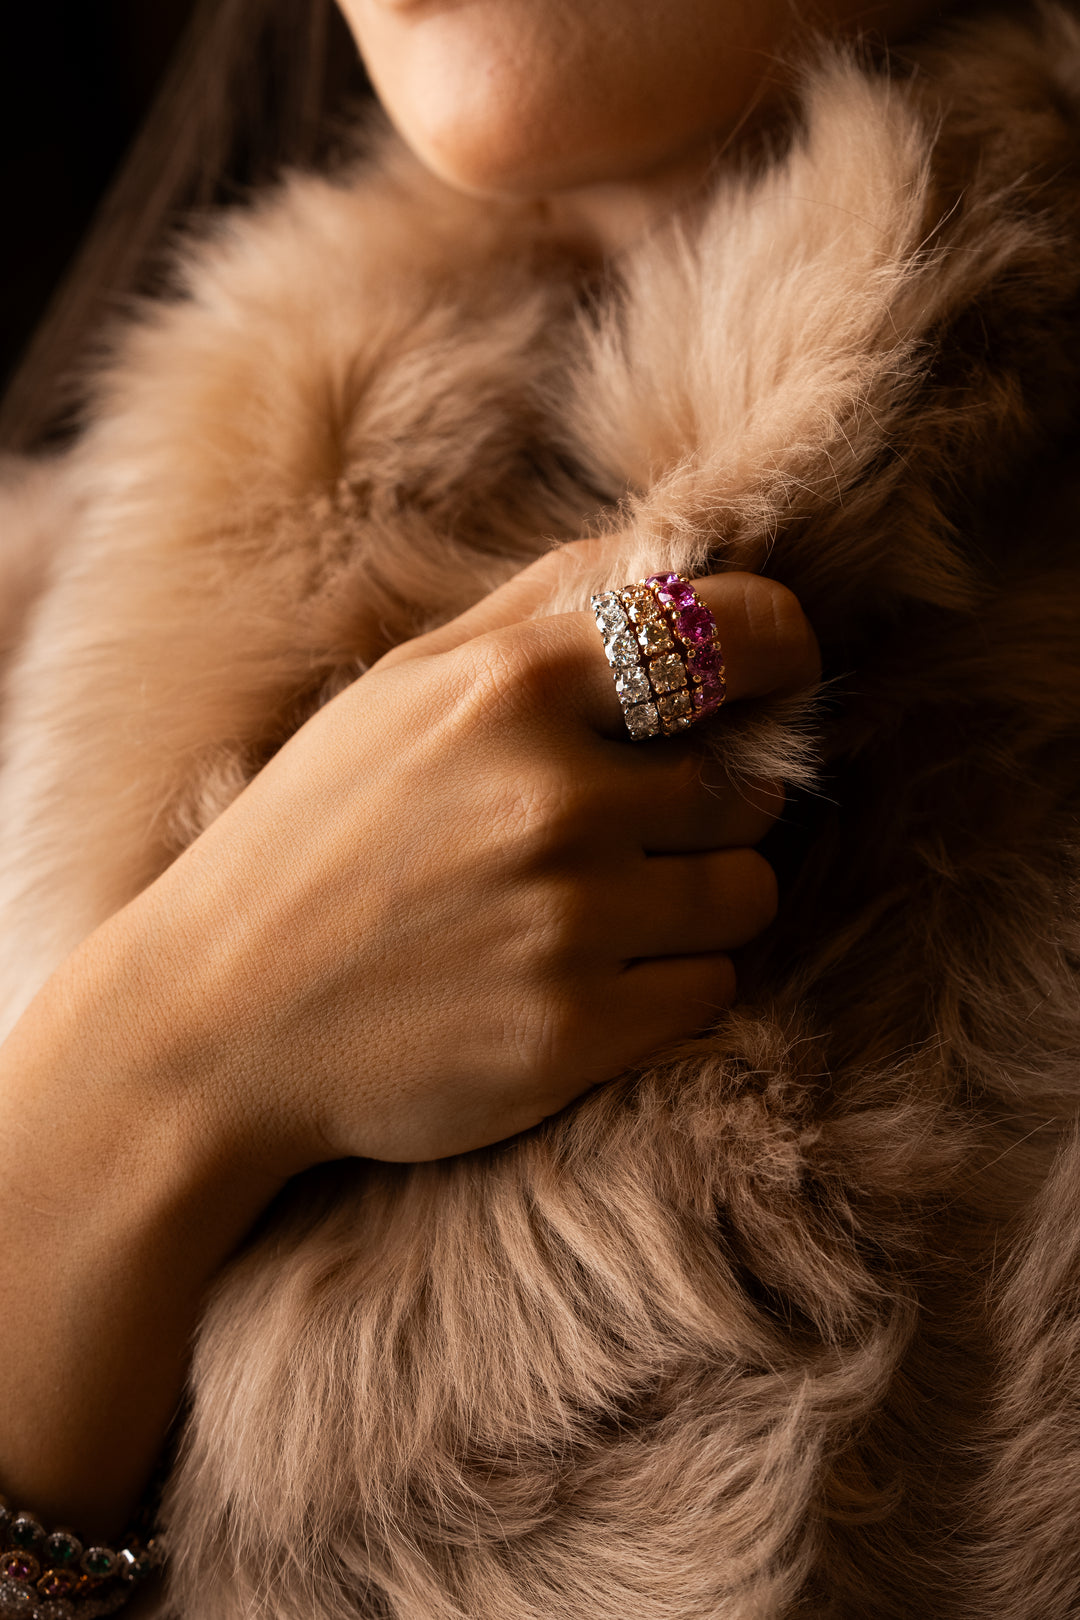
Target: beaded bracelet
{"type": "Point", "coordinates": [54, 1576]}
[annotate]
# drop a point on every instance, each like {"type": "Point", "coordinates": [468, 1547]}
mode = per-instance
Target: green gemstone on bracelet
{"type": "Point", "coordinates": [25, 1531]}
{"type": "Point", "coordinates": [62, 1548]}
{"type": "Point", "coordinates": [99, 1562]}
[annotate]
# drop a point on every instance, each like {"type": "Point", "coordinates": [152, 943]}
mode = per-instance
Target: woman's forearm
{"type": "Point", "coordinates": [120, 1197]}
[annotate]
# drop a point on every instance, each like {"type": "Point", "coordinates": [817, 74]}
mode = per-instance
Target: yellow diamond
{"type": "Point", "coordinates": [667, 673]}
{"type": "Point", "coordinates": [673, 704]}
{"type": "Point", "coordinates": [655, 636]}
{"type": "Point", "coordinates": [642, 606]}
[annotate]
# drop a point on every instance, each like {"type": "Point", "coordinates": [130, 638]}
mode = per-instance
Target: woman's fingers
{"type": "Point", "coordinates": [520, 597]}
{"type": "Point", "coordinates": [682, 804]}
{"type": "Point", "coordinates": [662, 1000]}
{"type": "Point", "coordinates": [767, 641]}
{"type": "Point", "coordinates": [679, 905]}
{"type": "Point", "coordinates": [768, 645]}
{"type": "Point", "coordinates": [680, 921]}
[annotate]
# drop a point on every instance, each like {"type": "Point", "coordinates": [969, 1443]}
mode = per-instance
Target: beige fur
{"type": "Point", "coordinates": [37, 507]}
{"type": "Point", "coordinates": [787, 1325]}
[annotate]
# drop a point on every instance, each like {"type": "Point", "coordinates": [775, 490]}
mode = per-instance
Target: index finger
{"type": "Point", "coordinates": [575, 563]}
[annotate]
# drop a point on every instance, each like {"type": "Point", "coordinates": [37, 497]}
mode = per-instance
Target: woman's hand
{"type": "Point", "coordinates": [460, 896]}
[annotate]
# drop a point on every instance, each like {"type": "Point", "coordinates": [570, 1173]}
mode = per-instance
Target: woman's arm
{"type": "Point", "coordinates": [122, 1191]}
{"type": "Point", "coordinates": [456, 899]}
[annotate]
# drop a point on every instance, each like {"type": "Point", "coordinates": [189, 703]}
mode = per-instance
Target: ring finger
{"type": "Point", "coordinates": [768, 646]}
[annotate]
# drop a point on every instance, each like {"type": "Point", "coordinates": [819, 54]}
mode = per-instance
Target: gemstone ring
{"type": "Point", "coordinates": [664, 648]}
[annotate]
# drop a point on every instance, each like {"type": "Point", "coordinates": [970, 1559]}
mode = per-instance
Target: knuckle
{"type": "Point", "coordinates": [565, 561]}
{"type": "Point", "coordinates": [504, 672]}
{"type": "Point", "coordinates": [710, 986]}
{"type": "Point", "coordinates": [567, 1024]}
{"type": "Point", "coordinates": [687, 769]}
{"type": "Point", "coordinates": [554, 815]}
{"type": "Point", "coordinates": [682, 774]}
{"type": "Point", "coordinates": [564, 1059]}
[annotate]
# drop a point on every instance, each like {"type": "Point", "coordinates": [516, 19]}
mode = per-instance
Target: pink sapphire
{"type": "Point", "coordinates": [711, 690]}
{"type": "Point", "coordinates": [678, 595]}
{"type": "Point", "coordinates": [673, 591]}
{"type": "Point", "coordinates": [704, 661]}
{"type": "Point", "coordinates": [695, 626]}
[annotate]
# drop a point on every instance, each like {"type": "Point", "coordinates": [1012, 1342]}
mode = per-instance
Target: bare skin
{"type": "Point", "coordinates": [316, 977]}
{"type": "Point", "coordinates": [612, 110]}
{"type": "Point", "coordinates": [400, 953]}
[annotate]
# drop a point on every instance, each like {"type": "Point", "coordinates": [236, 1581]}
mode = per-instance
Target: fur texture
{"type": "Point", "coordinates": [788, 1325]}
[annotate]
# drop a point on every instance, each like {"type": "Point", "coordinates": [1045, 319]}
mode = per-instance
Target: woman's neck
{"type": "Point", "coordinates": [609, 216]}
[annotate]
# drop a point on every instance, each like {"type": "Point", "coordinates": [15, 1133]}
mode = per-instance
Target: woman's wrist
{"type": "Point", "coordinates": [121, 1195]}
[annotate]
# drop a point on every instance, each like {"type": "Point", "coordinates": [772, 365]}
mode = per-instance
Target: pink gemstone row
{"type": "Point", "coordinates": [696, 628]}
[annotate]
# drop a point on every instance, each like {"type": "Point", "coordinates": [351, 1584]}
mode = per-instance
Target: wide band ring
{"type": "Point", "coordinates": [663, 645]}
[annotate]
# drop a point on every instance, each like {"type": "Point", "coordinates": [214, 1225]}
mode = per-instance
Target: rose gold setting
{"type": "Point", "coordinates": [694, 629]}
{"type": "Point", "coordinates": [664, 649]}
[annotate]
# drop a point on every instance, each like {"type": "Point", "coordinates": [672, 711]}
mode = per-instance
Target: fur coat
{"type": "Point", "coordinates": [788, 1324]}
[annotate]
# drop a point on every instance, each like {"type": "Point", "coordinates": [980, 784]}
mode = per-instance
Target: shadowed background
{"type": "Point", "coordinates": [118, 117]}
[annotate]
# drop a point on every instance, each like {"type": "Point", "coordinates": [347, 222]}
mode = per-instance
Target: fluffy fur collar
{"type": "Point", "coordinates": [787, 1325]}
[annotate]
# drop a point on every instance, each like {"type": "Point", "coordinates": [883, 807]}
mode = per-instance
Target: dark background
{"type": "Point", "coordinates": [134, 118]}
{"type": "Point", "coordinates": [76, 77]}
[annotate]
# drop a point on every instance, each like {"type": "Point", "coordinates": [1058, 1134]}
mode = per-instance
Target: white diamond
{"type": "Point", "coordinates": [632, 685]}
{"type": "Point", "coordinates": [16, 1600]}
{"type": "Point", "coordinates": [610, 614]}
{"type": "Point", "coordinates": [642, 720]}
{"type": "Point", "coordinates": [622, 649]}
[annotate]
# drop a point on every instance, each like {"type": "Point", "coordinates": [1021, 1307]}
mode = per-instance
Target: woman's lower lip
{"type": "Point", "coordinates": [402, 6]}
